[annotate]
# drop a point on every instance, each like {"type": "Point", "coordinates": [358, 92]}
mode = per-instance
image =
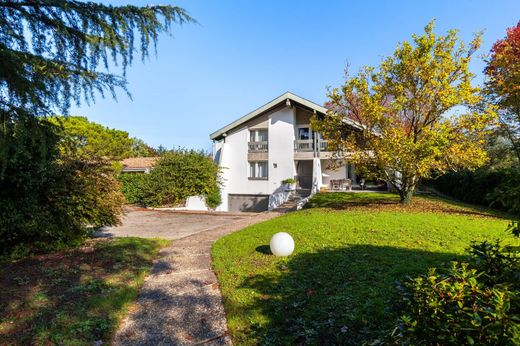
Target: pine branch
{"type": "Point", "coordinates": [69, 41]}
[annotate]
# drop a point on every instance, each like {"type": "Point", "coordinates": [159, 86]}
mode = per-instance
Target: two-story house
{"type": "Point", "coordinates": [270, 144]}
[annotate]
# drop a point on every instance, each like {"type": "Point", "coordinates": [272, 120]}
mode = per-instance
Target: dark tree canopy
{"type": "Point", "coordinates": [54, 52]}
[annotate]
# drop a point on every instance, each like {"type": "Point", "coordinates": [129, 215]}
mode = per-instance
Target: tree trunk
{"type": "Point", "coordinates": [406, 195]}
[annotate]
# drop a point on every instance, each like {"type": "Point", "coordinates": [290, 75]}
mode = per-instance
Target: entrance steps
{"type": "Point", "coordinates": [292, 203]}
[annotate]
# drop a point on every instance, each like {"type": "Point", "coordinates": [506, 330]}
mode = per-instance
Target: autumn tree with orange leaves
{"type": "Point", "coordinates": [417, 113]}
{"type": "Point", "coordinates": [503, 84]}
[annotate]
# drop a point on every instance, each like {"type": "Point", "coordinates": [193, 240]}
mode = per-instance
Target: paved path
{"type": "Point", "coordinates": [180, 302]}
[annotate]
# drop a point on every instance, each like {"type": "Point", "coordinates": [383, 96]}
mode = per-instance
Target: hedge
{"type": "Point", "coordinates": [480, 187]}
{"type": "Point", "coordinates": [177, 175]}
{"type": "Point", "coordinates": [133, 186]}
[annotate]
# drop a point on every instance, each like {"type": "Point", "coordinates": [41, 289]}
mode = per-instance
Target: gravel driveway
{"type": "Point", "coordinates": [180, 302]}
{"type": "Point", "coordinates": [166, 224]}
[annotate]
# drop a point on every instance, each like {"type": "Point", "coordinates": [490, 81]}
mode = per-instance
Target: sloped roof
{"type": "Point", "coordinates": [139, 162]}
{"type": "Point", "coordinates": [268, 106]}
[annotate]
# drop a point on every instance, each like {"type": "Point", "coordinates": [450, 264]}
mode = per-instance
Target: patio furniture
{"type": "Point", "coordinates": [348, 184]}
{"type": "Point", "coordinates": [341, 184]}
{"type": "Point", "coordinates": [335, 184]}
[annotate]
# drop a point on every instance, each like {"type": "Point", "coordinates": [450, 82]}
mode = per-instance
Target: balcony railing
{"type": "Point", "coordinates": [323, 145]}
{"type": "Point", "coordinates": [309, 145]}
{"type": "Point", "coordinates": [258, 146]}
{"type": "Point", "coordinates": [304, 145]}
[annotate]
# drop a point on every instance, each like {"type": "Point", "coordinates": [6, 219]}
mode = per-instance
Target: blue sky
{"type": "Point", "coordinates": [245, 53]}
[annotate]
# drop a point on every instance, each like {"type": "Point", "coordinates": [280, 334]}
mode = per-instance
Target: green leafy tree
{"type": "Point", "coordinates": [91, 140]}
{"type": "Point", "coordinates": [161, 149]}
{"type": "Point", "coordinates": [141, 149]}
{"type": "Point", "coordinates": [405, 110]}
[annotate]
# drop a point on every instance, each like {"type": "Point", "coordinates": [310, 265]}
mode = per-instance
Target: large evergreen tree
{"type": "Point", "coordinates": [54, 53]}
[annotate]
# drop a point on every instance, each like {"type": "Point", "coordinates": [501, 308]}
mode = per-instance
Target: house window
{"type": "Point", "coordinates": [258, 135]}
{"type": "Point", "coordinates": [304, 133]}
{"type": "Point", "coordinates": [258, 140]}
{"type": "Point", "coordinates": [258, 170]}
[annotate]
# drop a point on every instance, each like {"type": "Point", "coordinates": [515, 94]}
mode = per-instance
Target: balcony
{"type": "Point", "coordinates": [310, 145]}
{"type": "Point", "coordinates": [304, 145]}
{"type": "Point", "coordinates": [258, 147]}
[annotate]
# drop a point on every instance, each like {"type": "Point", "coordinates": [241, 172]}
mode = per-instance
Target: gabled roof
{"type": "Point", "coordinates": [139, 163]}
{"type": "Point", "coordinates": [268, 106]}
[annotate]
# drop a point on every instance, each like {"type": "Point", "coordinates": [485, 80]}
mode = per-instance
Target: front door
{"type": "Point", "coordinates": [304, 169]}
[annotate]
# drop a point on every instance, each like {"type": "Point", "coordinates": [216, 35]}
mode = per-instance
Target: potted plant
{"type": "Point", "coordinates": [290, 184]}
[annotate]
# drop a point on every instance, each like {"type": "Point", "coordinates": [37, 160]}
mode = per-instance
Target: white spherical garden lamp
{"type": "Point", "coordinates": [282, 244]}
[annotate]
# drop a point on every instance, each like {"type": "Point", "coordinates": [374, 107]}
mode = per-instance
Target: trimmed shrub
{"type": "Point", "coordinates": [507, 193]}
{"type": "Point", "coordinates": [133, 186]}
{"type": "Point", "coordinates": [180, 174]}
{"type": "Point", "coordinates": [497, 188]}
{"type": "Point", "coordinates": [213, 199]}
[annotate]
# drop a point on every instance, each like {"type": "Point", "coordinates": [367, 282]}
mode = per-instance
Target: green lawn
{"type": "Point", "coordinates": [340, 285]}
{"type": "Point", "coordinates": [74, 297]}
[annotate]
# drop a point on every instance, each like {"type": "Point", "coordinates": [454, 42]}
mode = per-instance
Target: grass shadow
{"type": "Point", "coordinates": [390, 202]}
{"type": "Point", "coordinates": [477, 209]}
{"type": "Point", "coordinates": [343, 200]}
{"type": "Point", "coordinates": [264, 249]}
{"type": "Point", "coordinates": [345, 296]}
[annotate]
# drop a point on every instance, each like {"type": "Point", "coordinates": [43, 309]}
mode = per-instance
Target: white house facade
{"type": "Point", "coordinates": [271, 144]}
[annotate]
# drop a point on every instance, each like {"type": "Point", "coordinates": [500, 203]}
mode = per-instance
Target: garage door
{"type": "Point", "coordinates": [254, 203]}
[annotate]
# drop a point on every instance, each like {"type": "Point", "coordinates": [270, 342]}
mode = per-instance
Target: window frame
{"type": "Point", "coordinates": [254, 135]}
{"type": "Point", "coordinates": [253, 170]}
{"type": "Point", "coordinates": [312, 134]}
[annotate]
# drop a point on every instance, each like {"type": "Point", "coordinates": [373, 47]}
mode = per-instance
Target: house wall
{"type": "Point", "coordinates": [337, 173]}
{"type": "Point", "coordinates": [234, 157]}
{"type": "Point", "coordinates": [281, 145]}
{"type": "Point", "coordinates": [217, 151]}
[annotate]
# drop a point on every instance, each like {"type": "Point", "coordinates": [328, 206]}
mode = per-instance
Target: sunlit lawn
{"type": "Point", "coordinates": [74, 297]}
{"type": "Point", "coordinates": [340, 285]}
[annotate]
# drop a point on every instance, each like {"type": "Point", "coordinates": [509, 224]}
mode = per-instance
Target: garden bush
{"type": "Point", "coordinates": [49, 198]}
{"type": "Point", "coordinates": [133, 186]}
{"type": "Point", "coordinates": [497, 188]}
{"type": "Point", "coordinates": [179, 174]}
{"type": "Point", "coordinates": [474, 302]}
